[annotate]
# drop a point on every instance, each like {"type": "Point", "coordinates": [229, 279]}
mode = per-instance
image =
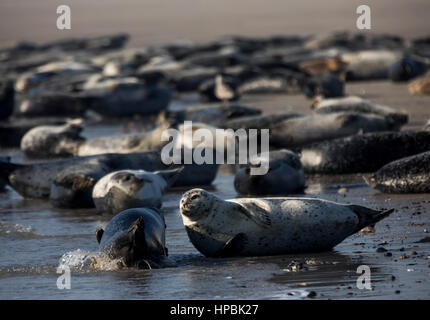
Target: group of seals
{"type": "Point", "coordinates": [121, 190]}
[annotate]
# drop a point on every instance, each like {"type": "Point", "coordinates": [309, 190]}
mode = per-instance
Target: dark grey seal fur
{"type": "Point", "coordinates": [285, 176]}
{"type": "Point", "coordinates": [269, 226]}
{"type": "Point", "coordinates": [406, 175]}
{"type": "Point", "coordinates": [136, 236]}
{"type": "Point", "coordinates": [363, 153]}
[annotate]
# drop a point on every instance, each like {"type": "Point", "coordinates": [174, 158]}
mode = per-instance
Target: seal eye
{"type": "Point", "coordinates": [194, 197]}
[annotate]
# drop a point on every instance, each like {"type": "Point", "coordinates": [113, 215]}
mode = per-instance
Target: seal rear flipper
{"type": "Point", "coordinates": [171, 175]}
{"type": "Point", "coordinates": [234, 246]}
{"type": "Point", "coordinates": [256, 213]}
{"type": "Point", "coordinates": [370, 179]}
{"type": "Point", "coordinates": [368, 216]}
{"type": "Point", "coordinates": [99, 234]}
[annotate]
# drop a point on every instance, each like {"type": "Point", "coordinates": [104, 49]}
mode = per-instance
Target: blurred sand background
{"type": "Point", "coordinates": [160, 21]}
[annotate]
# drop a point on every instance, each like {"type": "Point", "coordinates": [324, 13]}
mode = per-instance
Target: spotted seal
{"type": "Point", "coordinates": [121, 190]}
{"type": "Point", "coordinates": [406, 175]}
{"type": "Point", "coordinates": [269, 226]}
{"type": "Point", "coordinates": [363, 153]}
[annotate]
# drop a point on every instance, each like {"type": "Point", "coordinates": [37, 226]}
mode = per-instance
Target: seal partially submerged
{"type": "Point", "coordinates": [136, 236]}
{"type": "Point", "coordinates": [121, 190]}
{"type": "Point", "coordinates": [285, 175]}
{"type": "Point", "coordinates": [406, 175]}
{"type": "Point", "coordinates": [269, 226]}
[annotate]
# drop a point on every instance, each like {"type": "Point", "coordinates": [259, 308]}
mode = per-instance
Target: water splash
{"type": "Point", "coordinates": [82, 260]}
{"type": "Point", "coordinates": [17, 230]}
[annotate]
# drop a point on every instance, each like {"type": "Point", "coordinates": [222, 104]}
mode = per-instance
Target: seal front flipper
{"type": "Point", "coordinates": [99, 234]}
{"type": "Point", "coordinates": [256, 213]}
{"type": "Point", "coordinates": [234, 246]}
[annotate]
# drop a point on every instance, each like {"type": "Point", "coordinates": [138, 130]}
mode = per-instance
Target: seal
{"type": "Point", "coordinates": [53, 140]}
{"type": "Point", "coordinates": [136, 236]}
{"type": "Point", "coordinates": [363, 153]}
{"type": "Point", "coordinates": [285, 175]}
{"type": "Point", "coordinates": [213, 115]}
{"type": "Point", "coordinates": [121, 190]}
{"type": "Point", "coordinates": [7, 99]}
{"type": "Point", "coordinates": [420, 85]}
{"type": "Point", "coordinates": [406, 175]}
{"type": "Point", "coordinates": [269, 226]}
{"type": "Point", "coordinates": [407, 68]}
{"type": "Point", "coordinates": [301, 131]}
{"type": "Point", "coordinates": [358, 104]}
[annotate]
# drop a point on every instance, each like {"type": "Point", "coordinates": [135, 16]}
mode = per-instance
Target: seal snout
{"type": "Point", "coordinates": [194, 203]}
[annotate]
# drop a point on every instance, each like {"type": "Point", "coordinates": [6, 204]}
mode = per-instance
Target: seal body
{"type": "Point", "coordinates": [301, 131]}
{"type": "Point", "coordinates": [52, 141]}
{"type": "Point", "coordinates": [269, 226]}
{"type": "Point", "coordinates": [121, 190]}
{"type": "Point", "coordinates": [134, 236]}
{"type": "Point", "coordinates": [285, 175]}
{"type": "Point", "coordinates": [358, 104]}
{"type": "Point", "coordinates": [363, 153]}
{"type": "Point", "coordinates": [406, 175]}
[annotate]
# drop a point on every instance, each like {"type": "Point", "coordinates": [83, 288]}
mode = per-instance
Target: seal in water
{"type": "Point", "coordinates": [269, 226]}
{"type": "Point", "coordinates": [363, 153]}
{"type": "Point", "coordinates": [126, 189]}
{"type": "Point", "coordinates": [406, 175]}
{"type": "Point", "coordinates": [54, 140]}
{"type": "Point", "coordinates": [285, 175]}
{"type": "Point", "coordinates": [301, 131]}
{"type": "Point", "coordinates": [136, 236]}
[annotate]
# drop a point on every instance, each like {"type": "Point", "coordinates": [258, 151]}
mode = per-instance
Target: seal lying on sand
{"type": "Point", "coordinates": [136, 236]}
{"type": "Point", "coordinates": [406, 175]}
{"type": "Point", "coordinates": [121, 190]}
{"type": "Point", "coordinates": [300, 131]}
{"type": "Point", "coordinates": [54, 140]}
{"type": "Point", "coordinates": [420, 85]}
{"type": "Point", "coordinates": [363, 153]}
{"type": "Point", "coordinates": [69, 182]}
{"type": "Point", "coordinates": [269, 226]}
{"type": "Point", "coordinates": [214, 115]}
{"type": "Point", "coordinates": [285, 175]}
{"type": "Point", "coordinates": [358, 104]}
